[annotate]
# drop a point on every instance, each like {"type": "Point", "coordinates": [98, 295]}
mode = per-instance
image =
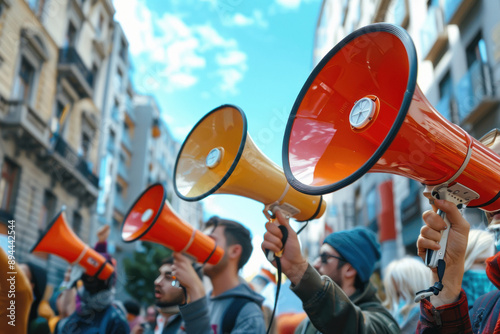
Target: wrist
{"type": "Point", "coordinates": [296, 272]}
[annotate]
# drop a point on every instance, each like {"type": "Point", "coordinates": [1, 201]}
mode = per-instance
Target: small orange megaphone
{"type": "Point", "coordinates": [60, 240]}
{"type": "Point", "coordinates": [151, 218]}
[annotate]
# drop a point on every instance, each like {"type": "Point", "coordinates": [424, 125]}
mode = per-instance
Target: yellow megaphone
{"type": "Point", "coordinates": [218, 156]}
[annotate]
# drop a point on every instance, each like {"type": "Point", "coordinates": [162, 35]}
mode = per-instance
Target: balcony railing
{"type": "Point", "coordinates": [71, 66]}
{"type": "Point", "coordinates": [433, 35]}
{"type": "Point", "coordinates": [474, 91]}
{"type": "Point", "coordinates": [80, 164]}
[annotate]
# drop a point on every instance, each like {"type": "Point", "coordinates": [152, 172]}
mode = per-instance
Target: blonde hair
{"type": "Point", "coordinates": [480, 242]}
{"type": "Point", "coordinates": [405, 277]}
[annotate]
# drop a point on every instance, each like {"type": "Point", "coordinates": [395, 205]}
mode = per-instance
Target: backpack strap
{"type": "Point", "coordinates": [229, 319]}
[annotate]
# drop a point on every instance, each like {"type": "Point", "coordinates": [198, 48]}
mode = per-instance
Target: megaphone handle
{"type": "Point", "coordinates": [432, 257]}
{"type": "Point", "coordinates": [272, 256]}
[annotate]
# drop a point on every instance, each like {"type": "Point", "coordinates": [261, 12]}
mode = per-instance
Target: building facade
{"type": "Point", "coordinates": [50, 113]}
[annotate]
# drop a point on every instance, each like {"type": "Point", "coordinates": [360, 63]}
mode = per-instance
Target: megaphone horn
{"type": "Point", "coordinates": [59, 239]}
{"type": "Point", "coordinates": [363, 112]}
{"type": "Point", "coordinates": [151, 218]}
{"type": "Point", "coordinates": [218, 156]}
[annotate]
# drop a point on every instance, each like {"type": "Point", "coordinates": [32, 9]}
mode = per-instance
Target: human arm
{"type": "Point", "coordinates": [445, 312]}
{"type": "Point", "coordinates": [326, 305]}
{"type": "Point", "coordinates": [195, 310]}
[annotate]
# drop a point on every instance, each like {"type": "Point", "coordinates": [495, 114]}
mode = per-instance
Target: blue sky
{"type": "Point", "coordinates": [195, 55]}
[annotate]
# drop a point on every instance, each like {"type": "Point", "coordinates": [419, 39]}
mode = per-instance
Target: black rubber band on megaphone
{"type": "Point", "coordinates": [210, 255]}
{"type": "Point", "coordinates": [491, 201]}
{"type": "Point", "coordinates": [101, 268]}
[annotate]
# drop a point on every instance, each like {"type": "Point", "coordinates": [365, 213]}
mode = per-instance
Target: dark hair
{"type": "Point", "coordinates": [167, 260]}
{"type": "Point", "coordinates": [197, 267]}
{"type": "Point", "coordinates": [132, 307]}
{"type": "Point", "coordinates": [236, 234]}
{"type": "Point", "coordinates": [358, 284]}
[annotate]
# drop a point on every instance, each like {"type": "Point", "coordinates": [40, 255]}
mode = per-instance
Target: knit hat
{"type": "Point", "coordinates": [359, 247]}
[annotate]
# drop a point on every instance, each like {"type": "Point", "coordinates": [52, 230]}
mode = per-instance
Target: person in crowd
{"type": "Point", "coordinates": [403, 278]}
{"type": "Point", "coordinates": [336, 294]}
{"type": "Point", "coordinates": [95, 308]}
{"type": "Point", "coordinates": [133, 309]}
{"type": "Point", "coordinates": [14, 309]}
{"type": "Point", "coordinates": [37, 277]}
{"type": "Point", "coordinates": [448, 312]}
{"type": "Point", "coordinates": [231, 306]}
{"type": "Point", "coordinates": [479, 248]}
{"type": "Point", "coordinates": [168, 297]}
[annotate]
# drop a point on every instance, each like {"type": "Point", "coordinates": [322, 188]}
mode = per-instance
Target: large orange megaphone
{"type": "Point", "coordinates": [361, 111]}
{"type": "Point", "coordinates": [151, 218]}
{"type": "Point", "coordinates": [60, 240]}
{"type": "Point", "coordinates": [218, 156]}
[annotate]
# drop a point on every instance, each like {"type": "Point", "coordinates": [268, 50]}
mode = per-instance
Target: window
{"type": "Point", "coordinates": [95, 73]}
{"type": "Point", "coordinates": [25, 81]}
{"type": "Point", "coordinates": [71, 35]}
{"type": "Point", "coordinates": [100, 26]}
{"type": "Point", "coordinates": [111, 143]}
{"type": "Point", "coordinates": [476, 51]}
{"type": "Point", "coordinates": [32, 54]}
{"type": "Point", "coordinates": [48, 210]}
{"type": "Point", "coordinates": [119, 81]}
{"type": "Point", "coordinates": [8, 185]}
{"type": "Point", "coordinates": [77, 222]}
{"type": "Point", "coordinates": [85, 146]}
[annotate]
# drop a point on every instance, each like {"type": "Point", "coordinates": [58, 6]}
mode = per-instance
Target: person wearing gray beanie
{"type": "Point", "coordinates": [336, 293]}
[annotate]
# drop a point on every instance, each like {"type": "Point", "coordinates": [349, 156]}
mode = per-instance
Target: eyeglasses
{"type": "Point", "coordinates": [324, 258]}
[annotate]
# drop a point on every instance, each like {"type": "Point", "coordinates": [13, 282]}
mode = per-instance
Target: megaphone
{"type": "Point", "coordinates": [151, 218]}
{"type": "Point", "coordinates": [218, 156]}
{"type": "Point", "coordinates": [361, 111]}
{"type": "Point", "coordinates": [59, 239]}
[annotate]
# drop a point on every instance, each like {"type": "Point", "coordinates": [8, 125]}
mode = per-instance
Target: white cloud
{"type": "Point", "coordinates": [241, 20]}
{"type": "Point", "coordinates": [289, 4]}
{"type": "Point", "coordinates": [177, 53]}
{"type": "Point", "coordinates": [232, 58]}
{"type": "Point", "coordinates": [181, 132]}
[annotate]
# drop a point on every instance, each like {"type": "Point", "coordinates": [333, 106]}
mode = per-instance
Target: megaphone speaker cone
{"type": "Point", "coordinates": [218, 156]}
{"type": "Point", "coordinates": [151, 218]}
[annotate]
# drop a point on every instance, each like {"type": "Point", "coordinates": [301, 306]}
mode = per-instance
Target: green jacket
{"type": "Point", "coordinates": [331, 311]}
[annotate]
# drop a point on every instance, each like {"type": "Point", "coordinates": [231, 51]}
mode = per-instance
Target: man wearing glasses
{"type": "Point", "coordinates": [337, 296]}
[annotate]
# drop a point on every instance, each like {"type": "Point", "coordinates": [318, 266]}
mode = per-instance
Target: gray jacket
{"type": "Point", "coordinates": [205, 315]}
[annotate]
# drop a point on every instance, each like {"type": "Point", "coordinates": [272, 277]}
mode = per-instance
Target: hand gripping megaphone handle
{"type": "Point", "coordinates": [432, 257]}
{"type": "Point", "coordinates": [460, 196]}
{"type": "Point", "coordinates": [272, 256]}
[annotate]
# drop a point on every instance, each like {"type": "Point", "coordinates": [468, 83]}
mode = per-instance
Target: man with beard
{"type": "Point", "coordinates": [342, 300]}
{"type": "Point", "coordinates": [168, 297]}
{"type": "Point", "coordinates": [232, 306]}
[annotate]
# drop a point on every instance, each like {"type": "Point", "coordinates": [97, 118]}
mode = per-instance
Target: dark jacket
{"type": "Point", "coordinates": [331, 311]}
